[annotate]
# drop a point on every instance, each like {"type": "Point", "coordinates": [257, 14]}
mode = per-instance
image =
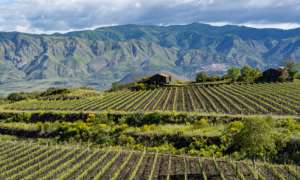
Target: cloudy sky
{"type": "Point", "coordinates": [47, 16]}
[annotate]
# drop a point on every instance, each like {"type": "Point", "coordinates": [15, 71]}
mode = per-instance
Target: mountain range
{"type": "Point", "coordinates": [99, 57]}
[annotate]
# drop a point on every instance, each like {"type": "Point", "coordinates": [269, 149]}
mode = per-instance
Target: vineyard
{"type": "Point", "coordinates": [263, 98]}
{"type": "Point", "coordinates": [33, 161]}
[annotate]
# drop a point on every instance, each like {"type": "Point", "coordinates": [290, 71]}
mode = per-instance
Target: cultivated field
{"type": "Point", "coordinates": [32, 161]}
{"type": "Point", "coordinates": [264, 98]}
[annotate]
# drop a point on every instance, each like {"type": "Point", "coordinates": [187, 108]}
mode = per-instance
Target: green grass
{"type": "Point", "coordinates": [182, 129]}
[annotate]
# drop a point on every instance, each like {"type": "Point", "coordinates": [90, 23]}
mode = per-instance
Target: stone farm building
{"type": "Point", "coordinates": [272, 75]}
{"type": "Point", "coordinates": [160, 79]}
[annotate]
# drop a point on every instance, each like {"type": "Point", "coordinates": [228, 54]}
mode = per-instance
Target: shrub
{"type": "Point", "coordinates": [214, 78]}
{"type": "Point", "coordinates": [152, 118]}
{"type": "Point", "coordinates": [234, 127]}
{"type": "Point", "coordinates": [135, 119]}
{"type": "Point", "coordinates": [146, 128]}
{"type": "Point", "coordinates": [292, 68]}
{"type": "Point", "coordinates": [202, 123]}
{"type": "Point", "coordinates": [91, 117]}
{"type": "Point", "coordinates": [202, 77]}
{"type": "Point", "coordinates": [139, 86]}
{"type": "Point", "coordinates": [139, 119]}
{"type": "Point", "coordinates": [201, 148]}
{"type": "Point", "coordinates": [227, 137]}
{"type": "Point", "coordinates": [289, 123]}
{"type": "Point", "coordinates": [21, 117]}
{"type": "Point", "coordinates": [56, 91]}
{"type": "Point", "coordinates": [256, 138]}
{"type": "Point", "coordinates": [14, 97]}
{"type": "Point", "coordinates": [125, 140]}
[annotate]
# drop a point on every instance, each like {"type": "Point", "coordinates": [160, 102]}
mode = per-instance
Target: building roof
{"type": "Point", "coordinates": [166, 74]}
{"type": "Point", "coordinates": [271, 69]}
{"type": "Point", "coordinates": [275, 69]}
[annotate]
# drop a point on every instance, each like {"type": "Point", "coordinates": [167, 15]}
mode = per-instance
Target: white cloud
{"type": "Point", "coordinates": [273, 25]}
{"type": "Point", "coordinates": [36, 16]}
{"type": "Point", "coordinates": [259, 25]}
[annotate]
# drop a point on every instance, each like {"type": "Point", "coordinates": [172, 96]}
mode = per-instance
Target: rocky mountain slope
{"type": "Point", "coordinates": [99, 57]}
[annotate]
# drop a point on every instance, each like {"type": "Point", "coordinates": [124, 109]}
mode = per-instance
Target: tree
{"type": "Point", "coordinates": [249, 74]}
{"type": "Point", "coordinates": [256, 138]}
{"type": "Point", "coordinates": [233, 73]}
{"type": "Point", "coordinates": [16, 97]}
{"type": "Point", "coordinates": [202, 77]}
{"type": "Point", "coordinates": [55, 91]}
{"type": "Point", "coordinates": [115, 86]}
{"type": "Point", "coordinates": [292, 68]}
{"type": "Point", "coordinates": [22, 96]}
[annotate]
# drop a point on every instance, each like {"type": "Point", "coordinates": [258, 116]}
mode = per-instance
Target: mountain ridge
{"type": "Point", "coordinates": [99, 57]}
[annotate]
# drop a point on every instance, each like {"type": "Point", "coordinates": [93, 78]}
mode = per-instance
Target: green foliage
{"type": "Point", "coordinates": [115, 86]}
{"type": "Point", "coordinates": [249, 74]}
{"type": "Point", "coordinates": [202, 123]}
{"type": "Point", "coordinates": [91, 118]}
{"type": "Point", "coordinates": [234, 127]}
{"type": "Point", "coordinates": [56, 91]}
{"type": "Point", "coordinates": [147, 128]}
{"type": "Point", "coordinates": [131, 86]}
{"type": "Point", "coordinates": [214, 79]}
{"type": "Point", "coordinates": [16, 117]}
{"type": "Point", "coordinates": [289, 123]}
{"type": "Point", "coordinates": [139, 86]}
{"type": "Point", "coordinates": [125, 140]}
{"type": "Point", "coordinates": [33, 117]}
{"type": "Point", "coordinates": [54, 94]}
{"type": "Point", "coordinates": [231, 130]}
{"type": "Point", "coordinates": [202, 77]}
{"type": "Point", "coordinates": [201, 148]}
{"type": "Point", "coordinates": [13, 97]}
{"type": "Point", "coordinates": [140, 119]}
{"type": "Point", "coordinates": [136, 119]}
{"type": "Point", "coordinates": [246, 74]}
{"type": "Point", "coordinates": [292, 68]}
{"type": "Point", "coordinates": [256, 138]}
{"type": "Point", "coordinates": [3, 101]}
{"type": "Point", "coordinates": [233, 73]}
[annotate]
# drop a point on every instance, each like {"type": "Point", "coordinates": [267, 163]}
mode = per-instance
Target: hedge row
{"type": "Point", "coordinates": [137, 119]}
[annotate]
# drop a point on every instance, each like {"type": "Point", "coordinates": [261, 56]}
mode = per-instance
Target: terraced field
{"type": "Point", "coordinates": [32, 161]}
{"type": "Point", "coordinates": [264, 98]}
